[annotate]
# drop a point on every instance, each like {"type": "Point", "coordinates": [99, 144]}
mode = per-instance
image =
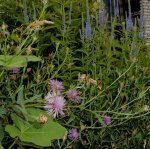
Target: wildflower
{"type": "Point", "coordinates": [29, 49]}
{"type": "Point", "coordinates": [88, 24]}
{"type": "Point", "coordinates": [26, 17]}
{"type": "Point", "coordinates": [82, 32]}
{"type": "Point", "coordinates": [141, 34]}
{"type": "Point", "coordinates": [42, 119]}
{"type": "Point", "coordinates": [101, 17]}
{"type": "Point", "coordinates": [106, 120]}
{"type": "Point", "coordinates": [88, 29]}
{"type": "Point", "coordinates": [73, 96]}
{"type": "Point", "coordinates": [101, 13]}
{"type": "Point", "coordinates": [129, 22]}
{"type": "Point", "coordinates": [141, 21]}
{"type": "Point", "coordinates": [70, 13]}
{"type": "Point", "coordinates": [132, 51]}
{"type": "Point", "coordinates": [55, 106]}
{"type": "Point", "coordinates": [63, 24]}
{"type": "Point", "coordinates": [73, 134]}
{"type": "Point", "coordinates": [55, 85]}
{"type": "Point", "coordinates": [14, 70]}
{"type": "Point", "coordinates": [117, 8]}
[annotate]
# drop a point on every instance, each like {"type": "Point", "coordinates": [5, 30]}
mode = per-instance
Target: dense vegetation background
{"type": "Point", "coordinates": [102, 58]}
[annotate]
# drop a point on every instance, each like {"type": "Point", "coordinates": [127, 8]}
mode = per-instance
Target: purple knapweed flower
{"type": "Point", "coordinates": [55, 85]}
{"type": "Point", "coordinates": [73, 134]}
{"type": "Point", "coordinates": [73, 96]}
{"type": "Point", "coordinates": [14, 70]}
{"type": "Point", "coordinates": [55, 106]}
{"type": "Point", "coordinates": [106, 120]}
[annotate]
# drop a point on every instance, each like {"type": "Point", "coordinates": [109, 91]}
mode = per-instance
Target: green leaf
{"type": "Point", "coordinates": [17, 60]}
{"type": "Point", "coordinates": [27, 132]}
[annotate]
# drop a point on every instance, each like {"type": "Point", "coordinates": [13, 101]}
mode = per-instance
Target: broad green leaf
{"type": "Point", "coordinates": [17, 60]}
{"type": "Point", "coordinates": [27, 132]}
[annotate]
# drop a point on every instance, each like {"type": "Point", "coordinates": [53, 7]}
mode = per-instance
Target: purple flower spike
{"type": "Point", "coordinates": [129, 24]}
{"type": "Point", "coordinates": [106, 120]}
{"type": "Point", "coordinates": [88, 32]}
{"type": "Point", "coordinates": [73, 134]}
{"type": "Point", "coordinates": [55, 85]}
{"type": "Point", "coordinates": [117, 9]}
{"type": "Point", "coordinates": [73, 96]}
{"type": "Point", "coordinates": [141, 35]}
{"type": "Point", "coordinates": [55, 106]}
{"type": "Point", "coordinates": [101, 17]}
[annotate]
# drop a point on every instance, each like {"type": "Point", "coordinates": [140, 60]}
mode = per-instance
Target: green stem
{"type": "Point", "coordinates": [13, 143]}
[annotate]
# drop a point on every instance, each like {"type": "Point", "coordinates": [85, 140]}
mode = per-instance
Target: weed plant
{"type": "Point", "coordinates": [101, 72]}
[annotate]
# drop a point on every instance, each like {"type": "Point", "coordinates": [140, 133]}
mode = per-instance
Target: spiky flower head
{"type": "Point", "coordinates": [54, 105]}
{"type": "Point", "coordinates": [73, 96]}
{"type": "Point", "coordinates": [106, 120]}
{"type": "Point", "coordinates": [55, 85]}
{"type": "Point", "coordinates": [73, 134]}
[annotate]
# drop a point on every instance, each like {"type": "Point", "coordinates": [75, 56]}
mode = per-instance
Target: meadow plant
{"type": "Point", "coordinates": [129, 21]}
{"type": "Point", "coordinates": [58, 100]}
{"type": "Point", "coordinates": [26, 17]}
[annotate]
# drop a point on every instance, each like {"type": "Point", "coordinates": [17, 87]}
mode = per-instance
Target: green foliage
{"type": "Point", "coordinates": [41, 135]}
{"type": "Point", "coordinates": [110, 70]}
{"type": "Point", "coordinates": [17, 61]}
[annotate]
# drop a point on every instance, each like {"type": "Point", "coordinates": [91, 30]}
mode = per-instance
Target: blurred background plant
{"type": "Point", "coordinates": [90, 52]}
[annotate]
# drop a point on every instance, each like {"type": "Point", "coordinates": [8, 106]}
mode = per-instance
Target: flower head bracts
{"type": "Point", "coordinates": [55, 102]}
{"type": "Point", "coordinates": [54, 105]}
{"type": "Point", "coordinates": [73, 134]}
{"type": "Point", "coordinates": [106, 120]}
{"type": "Point", "coordinates": [55, 86]}
{"type": "Point", "coordinates": [73, 96]}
